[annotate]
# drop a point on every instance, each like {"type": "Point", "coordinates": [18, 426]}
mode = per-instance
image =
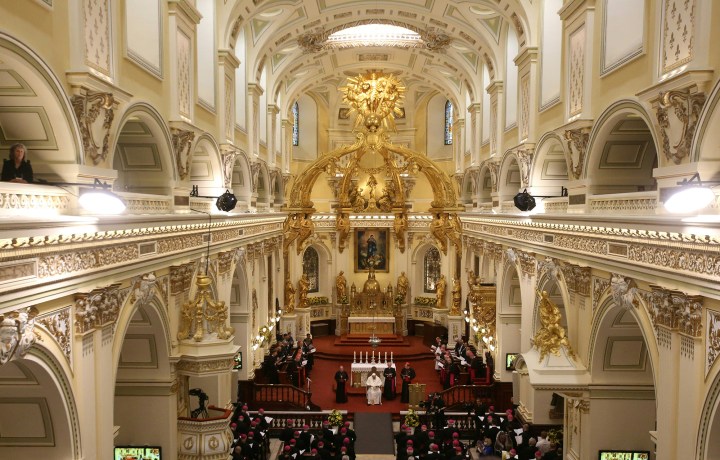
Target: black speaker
{"type": "Point", "coordinates": [524, 201]}
{"type": "Point", "coordinates": [226, 201]}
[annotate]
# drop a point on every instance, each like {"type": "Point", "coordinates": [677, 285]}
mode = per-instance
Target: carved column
{"type": "Point", "coordinates": [286, 144]}
{"type": "Point", "coordinates": [578, 23]}
{"type": "Point", "coordinates": [497, 116]}
{"type": "Point", "coordinates": [459, 144]}
{"type": "Point", "coordinates": [475, 111]}
{"type": "Point", "coordinates": [254, 91]}
{"type": "Point", "coordinates": [272, 125]}
{"type": "Point", "coordinates": [227, 66]}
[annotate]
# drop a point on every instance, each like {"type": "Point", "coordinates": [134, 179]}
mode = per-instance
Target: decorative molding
{"type": "Point", "coordinates": [98, 308]}
{"type": "Point", "coordinates": [678, 112]}
{"type": "Point", "coordinates": [55, 265]}
{"type": "Point", "coordinates": [228, 163]}
{"type": "Point", "coordinates": [678, 33]}
{"type": "Point", "coordinates": [181, 277]}
{"type": "Point", "coordinates": [676, 310]}
{"type": "Point", "coordinates": [87, 107]}
{"type": "Point", "coordinates": [528, 263]}
{"type": "Point", "coordinates": [600, 285]}
{"type": "Point", "coordinates": [97, 27]}
{"type": "Point", "coordinates": [524, 157]}
{"type": "Point", "coordinates": [182, 141]}
{"type": "Point", "coordinates": [577, 144]}
{"type": "Point", "coordinates": [712, 350]}
{"type": "Point", "coordinates": [57, 324]}
{"type": "Point", "coordinates": [577, 278]}
{"type": "Point", "coordinates": [623, 291]}
{"type": "Point", "coordinates": [16, 333]}
{"type": "Point", "coordinates": [197, 368]}
{"type": "Point", "coordinates": [141, 288]}
{"type": "Point", "coordinates": [35, 200]}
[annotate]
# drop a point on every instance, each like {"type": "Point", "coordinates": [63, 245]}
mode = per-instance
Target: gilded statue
{"type": "Point", "coordinates": [291, 228]}
{"type": "Point", "coordinates": [341, 288]}
{"type": "Point", "coordinates": [437, 229]}
{"type": "Point", "coordinates": [453, 230]}
{"type": "Point", "coordinates": [402, 286]}
{"type": "Point", "coordinates": [357, 202]}
{"type": "Point", "coordinates": [342, 225]}
{"type": "Point", "coordinates": [303, 289]}
{"type": "Point", "coordinates": [306, 229]}
{"type": "Point", "coordinates": [440, 292]}
{"type": "Point", "coordinates": [289, 296]}
{"type": "Point", "coordinates": [456, 298]}
{"type": "Point", "coordinates": [550, 338]}
{"type": "Point", "coordinates": [400, 226]}
{"type": "Point", "coordinates": [387, 199]}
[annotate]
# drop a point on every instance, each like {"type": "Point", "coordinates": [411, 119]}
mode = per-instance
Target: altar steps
{"type": "Point", "coordinates": [342, 348]}
{"type": "Point", "coordinates": [361, 341]}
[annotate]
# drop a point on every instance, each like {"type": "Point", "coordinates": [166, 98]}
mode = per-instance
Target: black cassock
{"type": "Point", "coordinates": [407, 374]}
{"type": "Point", "coordinates": [341, 378]}
{"type": "Point", "coordinates": [389, 389]}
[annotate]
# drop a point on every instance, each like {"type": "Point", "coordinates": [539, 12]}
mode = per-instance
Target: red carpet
{"type": "Point", "coordinates": [329, 357]}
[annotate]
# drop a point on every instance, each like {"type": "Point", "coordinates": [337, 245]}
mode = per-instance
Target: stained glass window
{"type": "Point", "coordinates": [431, 269]}
{"type": "Point", "coordinates": [448, 122]}
{"type": "Point", "coordinates": [311, 267]}
{"type": "Point", "coordinates": [296, 124]}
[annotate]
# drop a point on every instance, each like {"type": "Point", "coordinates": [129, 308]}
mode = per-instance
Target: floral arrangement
{"type": "Point", "coordinates": [556, 436]}
{"type": "Point", "coordinates": [335, 418]}
{"type": "Point", "coordinates": [320, 300]}
{"type": "Point", "coordinates": [425, 301]}
{"type": "Point", "coordinates": [399, 299]}
{"type": "Point", "coordinates": [412, 419]}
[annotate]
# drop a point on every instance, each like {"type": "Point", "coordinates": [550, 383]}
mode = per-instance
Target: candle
{"type": "Point", "coordinates": [386, 357]}
{"type": "Point", "coordinates": [354, 356]}
{"type": "Point", "coordinates": [373, 356]}
{"type": "Point", "coordinates": [391, 357]}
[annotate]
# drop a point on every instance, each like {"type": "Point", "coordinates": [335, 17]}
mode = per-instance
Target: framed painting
{"type": "Point", "coordinates": [372, 246]}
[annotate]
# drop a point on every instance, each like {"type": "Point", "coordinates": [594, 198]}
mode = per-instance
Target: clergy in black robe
{"type": "Point", "coordinates": [292, 372]}
{"type": "Point", "coordinates": [341, 377]}
{"type": "Point", "coordinates": [389, 390]}
{"type": "Point", "coordinates": [407, 375]}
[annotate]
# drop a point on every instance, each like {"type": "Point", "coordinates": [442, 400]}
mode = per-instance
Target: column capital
{"type": "Point", "coordinates": [227, 58]}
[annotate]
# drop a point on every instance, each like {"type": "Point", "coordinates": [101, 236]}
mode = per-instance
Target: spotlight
{"type": "Point", "coordinates": [226, 202]}
{"type": "Point", "coordinates": [691, 197]}
{"type": "Point", "coordinates": [97, 200]}
{"type": "Point", "coordinates": [524, 201]}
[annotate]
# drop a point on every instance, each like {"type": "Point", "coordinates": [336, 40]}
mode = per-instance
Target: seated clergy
{"type": "Point", "coordinates": [374, 385]}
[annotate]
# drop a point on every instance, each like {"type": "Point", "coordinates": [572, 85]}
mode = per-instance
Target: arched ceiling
{"type": "Point", "coordinates": [475, 29]}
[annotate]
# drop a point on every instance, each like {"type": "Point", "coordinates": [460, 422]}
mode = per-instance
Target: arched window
{"type": "Point", "coordinates": [431, 269]}
{"type": "Point", "coordinates": [448, 122]}
{"type": "Point", "coordinates": [311, 267]}
{"type": "Point", "coordinates": [296, 124]}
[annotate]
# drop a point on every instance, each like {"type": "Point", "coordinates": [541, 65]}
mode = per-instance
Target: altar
{"type": "Point", "coordinates": [359, 372]}
{"type": "Point", "coordinates": [367, 325]}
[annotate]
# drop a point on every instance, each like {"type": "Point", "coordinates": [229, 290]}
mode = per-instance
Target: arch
{"type": "Point", "coordinates": [36, 110]}
{"type": "Point", "coordinates": [43, 391]}
{"type": "Point", "coordinates": [239, 290]}
{"type": "Point", "coordinates": [241, 182]}
{"type": "Point", "coordinates": [622, 152]}
{"type": "Point", "coordinates": [469, 187]}
{"type": "Point", "coordinates": [311, 268]}
{"type": "Point", "coordinates": [486, 183]}
{"type": "Point", "coordinates": [207, 171]}
{"type": "Point", "coordinates": [709, 430]}
{"type": "Point", "coordinates": [510, 178]}
{"type": "Point", "coordinates": [262, 187]}
{"type": "Point", "coordinates": [142, 153]}
{"type": "Point", "coordinates": [704, 135]}
{"type": "Point", "coordinates": [548, 172]}
{"type": "Point", "coordinates": [417, 258]}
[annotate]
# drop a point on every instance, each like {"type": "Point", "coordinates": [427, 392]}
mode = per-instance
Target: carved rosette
{"type": "Point", "coordinates": [57, 324]}
{"type": "Point", "coordinates": [16, 333]}
{"type": "Point", "coordinates": [182, 148]}
{"type": "Point", "coordinates": [181, 277]}
{"type": "Point", "coordinates": [97, 308]}
{"type": "Point", "coordinates": [677, 114]}
{"type": "Point", "coordinates": [577, 143]}
{"type": "Point", "coordinates": [88, 107]}
{"type": "Point", "coordinates": [676, 310]}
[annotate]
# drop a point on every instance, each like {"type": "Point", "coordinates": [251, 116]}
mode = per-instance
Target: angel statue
{"type": "Point", "coordinates": [550, 338]}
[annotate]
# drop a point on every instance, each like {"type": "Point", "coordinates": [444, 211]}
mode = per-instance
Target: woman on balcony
{"type": "Point", "coordinates": [17, 168]}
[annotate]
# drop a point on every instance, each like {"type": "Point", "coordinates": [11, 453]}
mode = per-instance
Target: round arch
{"type": "Point", "coordinates": [206, 170]}
{"type": "Point", "coordinates": [486, 186]}
{"type": "Point", "coordinates": [510, 177]}
{"type": "Point", "coordinates": [142, 153]}
{"type": "Point", "coordinates": [548, 172]}
{"type": "Point", "coordinates": [704, 135]}
{"type": "Point", "coordinates": [622, 151]}
{"type": "Point", "coordinates": [242, 179]}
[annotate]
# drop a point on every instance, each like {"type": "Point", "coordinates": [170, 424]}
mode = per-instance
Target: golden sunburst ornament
{"type": "Point", "coordinates": [376, 98]}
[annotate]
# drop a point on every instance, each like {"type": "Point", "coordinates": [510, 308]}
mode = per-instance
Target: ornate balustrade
{"type": "Point", "coordinates": [313, 419]}
{"type": "Point", "coordinates": [556, 205]}
{"type": "Point", "coordinates": [277, 397]}
{"type": "Point", "coordinates": [143, 203]}
{"type": "Point", "coordinates": [484, 207]}
{"type": "Point", "coordinates": [31, 199]}
{"type": "Point", "coordinates": [207, 439]}
{"type": "Point", "coordinates": [624, 203]}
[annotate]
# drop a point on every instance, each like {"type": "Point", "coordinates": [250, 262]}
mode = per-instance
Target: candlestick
{"type": "Point", "coordinates": [391, 357]}
{"type": "Point", "coordinates": [367, 357]}
{"type": "Point", "coordinates": [354, 357]}
{"type": "Point", "coordinates": [386, 357]}
{"type": "Point", "coordinates": [373, 355]}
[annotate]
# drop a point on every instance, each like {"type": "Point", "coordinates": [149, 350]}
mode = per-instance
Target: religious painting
{"type": "Point", "coordinates": [372, 248]}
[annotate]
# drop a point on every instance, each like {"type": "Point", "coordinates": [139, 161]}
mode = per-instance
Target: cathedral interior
{"type": "Point", "coordinates": [505, 170]}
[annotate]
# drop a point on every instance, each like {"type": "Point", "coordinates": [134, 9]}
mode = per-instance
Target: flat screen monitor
{"type": "Point", "coordinates": [137, 453]}
{"type": "Point", "coordinates": [510, 359]}
{"type": "Point", "coordinates": [624, 455]}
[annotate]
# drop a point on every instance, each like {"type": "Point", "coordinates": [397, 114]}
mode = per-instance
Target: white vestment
{"type": "Point", "coordinates": [374, 389]}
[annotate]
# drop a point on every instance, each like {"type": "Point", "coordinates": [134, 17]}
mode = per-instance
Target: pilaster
{"type": "Point", "coordinates": [227, 66]}
{"type": "Point", "coordinates": [475, 111]}
{"type": "Point", "coordinates": [254, 91]}
{"type": "Point", "coordinates": [528, 80]}
{"type": "Point", "coordinates": [497, 114]}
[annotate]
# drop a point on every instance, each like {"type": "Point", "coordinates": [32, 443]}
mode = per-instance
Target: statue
{"type": "Point", "coordinates": [341, 288]}
{"type": "Point", "coordinates": [453, 230]}
{"type": "Point", "coordinates": [437, 229]}
{"type": "Point", "coordinates": [456, 298]}
{"type": "Point", "coordinates": [306, 229]}
{"type": "Point", "coordinates": [402, 286]}
{"type": "Point", "coordinates": [550, 338]}
{"type": "Point", "coordinates": [440, 292]}
{"type": "Point", "coordinates": [289, 296]}
{"type": "Point", "coordinates": [291, 227]}
{"type": "Point", "coordinates": [303, 289]}
{"type": "Point", "coordinates": [372, 183]}
{"type": "Point", "coordinates": [356, 199]}
{"type": "Point", "coordinates": [342, 225]}
{"type": "Point", "coordinates": [400, 226]}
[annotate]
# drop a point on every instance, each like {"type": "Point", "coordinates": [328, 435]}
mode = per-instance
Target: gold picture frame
{"type": "Point", "coordinates": [372, 242]}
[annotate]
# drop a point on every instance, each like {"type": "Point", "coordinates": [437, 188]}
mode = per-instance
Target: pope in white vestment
{"type": "Point", "coordinates": [374, 389]}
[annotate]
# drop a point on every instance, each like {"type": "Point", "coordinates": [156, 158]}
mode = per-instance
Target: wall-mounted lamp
{"type": "Point", "coordinates": [97, 199]}
{"type": "Point", "coordinates": [526, 202]}
{"type": "Point", "coordinates": [225, 202]}
{"type": "Point", "coordinates": [692, 196]}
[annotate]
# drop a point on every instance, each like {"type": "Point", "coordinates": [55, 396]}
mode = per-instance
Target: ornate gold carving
{"type": "Point", "coordinates": [577, 143]}
{"type": "Point", "coordinates": [97, 308]}
{"type": "Point", "coordinates": [204, 315]}
{"type": "Point", "coordinates": [57, 324]}
{"type": "Point", "coordinates": [289, 295]}
{"type": "Point", "coordinates": [181, 277]}
{"type": "Point", "coordinates": [446, 226]}
{"type": "Point", "coordinates": [60, 264]}
{"type": "Point", "coordinates": [400, 226]}
{"type": "Point", "coordinates": [675, 309]}
{"type": "Point", "coordinates": [16, 333]}
{"type": "Point", "coordinates": [303, 289]}
{"type": "Point", "coordinates": [686, 107]}
{"type": "Point", "coordinates": [456, 298]}
{"type": "Point", "coordinates": [550, 338]}
{"type": "Point", "coordinates": [182, 148]}
{"type": "Point", "coordinates": [306, 228]}
{"type": "Point", "coordinates": [435, 40]}
{"type": "Point", "coordinates": [87, 107]}
{"type": "Point", "coordinates": [342, 225]}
